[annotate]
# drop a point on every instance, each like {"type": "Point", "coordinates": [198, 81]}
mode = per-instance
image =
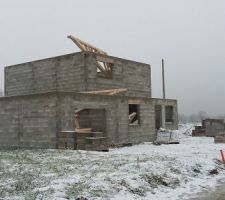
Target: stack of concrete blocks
{"type": "Point", "coordinates": [96, 142]}
{"type": "Point", "coordinates": [219, 139]}
{"type": "Point", "coordinates": [210, 128]}
{"type": "Point", "coordinates": [213, 127]}
{"type": "Point", "coordinates": [95, 120]}
{"type": "Point", "coordinates": [81, 140]}
{"type": "Point", "coordinates": [199, 131]}
{"type": "Point", "coordinates": [67, 140]}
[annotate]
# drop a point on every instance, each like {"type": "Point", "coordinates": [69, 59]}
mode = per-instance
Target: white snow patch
{"type": "Point", "coordinates": [143, 171]}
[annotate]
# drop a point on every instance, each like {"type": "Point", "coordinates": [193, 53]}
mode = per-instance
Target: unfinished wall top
{"type": "Point", "coordinates": [77, 72]}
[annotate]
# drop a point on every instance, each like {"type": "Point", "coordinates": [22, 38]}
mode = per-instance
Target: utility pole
{"type": "Point", "coordinates": [163, 80]}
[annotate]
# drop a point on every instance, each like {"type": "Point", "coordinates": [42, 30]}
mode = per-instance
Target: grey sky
{"type": "Point", "coordinates": [188, 34]}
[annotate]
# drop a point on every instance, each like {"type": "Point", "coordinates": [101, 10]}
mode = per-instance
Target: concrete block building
{"type": "Point", "coordinates": [41, 97]}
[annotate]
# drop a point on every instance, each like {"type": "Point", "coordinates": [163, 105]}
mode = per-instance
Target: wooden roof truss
{"type": "Point", "coordinates": [103, 66]}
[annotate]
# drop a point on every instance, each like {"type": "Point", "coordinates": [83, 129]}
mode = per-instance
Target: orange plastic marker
{"type": "Point", "coordinates": [222, 156]}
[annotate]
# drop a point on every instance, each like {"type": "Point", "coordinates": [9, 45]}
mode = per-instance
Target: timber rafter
{"type": "Point", "coordinates": [103, 66]}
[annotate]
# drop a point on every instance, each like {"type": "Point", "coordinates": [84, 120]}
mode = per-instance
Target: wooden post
{"type": "Point", "coordinates": [163, 80]}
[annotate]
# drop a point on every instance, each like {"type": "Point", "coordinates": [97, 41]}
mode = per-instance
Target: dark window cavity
{"type": "Point", "coordinates": [134, 114]}
{"type": "Point", "coordinates": [169, 114]}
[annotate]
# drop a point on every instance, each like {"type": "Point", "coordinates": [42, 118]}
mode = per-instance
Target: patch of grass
{"type": "Point", "coordinates": [175, 170]}
{"type": "Point", "coordinates": [77, 189]}
{"type": "Point", "coordinates": [134, 190]}
{"type": "Point", "coordinates": [154, 180]}
{"type": "Point", "coordinates": [32, 195]}
{"type": "Point", "coordinates": [82, 188]}
{"type": "Point", "coordinates": [98, 192]}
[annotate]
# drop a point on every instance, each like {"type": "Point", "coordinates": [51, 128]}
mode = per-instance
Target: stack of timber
{"type": "Point", "coordinates": [219, 139]}
{"type": "Point", "coordinates": [67, 140]}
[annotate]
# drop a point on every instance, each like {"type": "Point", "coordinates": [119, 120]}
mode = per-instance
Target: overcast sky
{"type": "Point", "coordinates": [188, 34]}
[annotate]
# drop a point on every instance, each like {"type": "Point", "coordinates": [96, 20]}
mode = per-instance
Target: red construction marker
{"type": "Point", "coordinates": [222, 156]}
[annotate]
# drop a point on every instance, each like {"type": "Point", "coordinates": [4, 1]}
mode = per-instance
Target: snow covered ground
{"type": "Point", "coordinates": [142, 171]}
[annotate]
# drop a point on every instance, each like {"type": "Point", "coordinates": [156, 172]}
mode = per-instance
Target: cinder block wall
{"type": "Point", "coordinates": [168, 102]}
{"type": "Point", "coordinates": [93, 118]}
{"type": "Point", "coordinates": [35, 120]}
{"type": "Point", "coordinates": [28, 121]}
{"type": "Point", "coordinates": [62, 73]}
{"type": "Point", "coordinates": [76, 73]}
{"type": "Point", "coordinates": [9, 121]}
{"type": "Point", "coordinates": [214, 127]}
{"type": "Point", "coordinates": [146, 132]}
{"type": "Point", "coordinates": [134, 76]}
{"type": "Point", "coordinates": [118, 130]}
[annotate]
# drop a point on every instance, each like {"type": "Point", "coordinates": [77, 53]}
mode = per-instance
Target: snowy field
{"type": "Point", "coordinates": [142, 171]}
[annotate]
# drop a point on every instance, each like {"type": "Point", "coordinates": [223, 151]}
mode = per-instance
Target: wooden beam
{"type": "Point", "coordinates": [136, 101]}
{"type": "Point", "coordinates": [132, 116]}
{"type": "Point", "coordinates": [108, 92]}
{"type": "Point", "coordinates": [117, 91]}
{"type": "Point", "coordinates": [83, 130]}
{"type": "Point", "coordinates": [77, 117]}
{"type": "Point", "coordinates": [102, 69]}
{"type": "Point", "coordinates": [84, 46]}
{"type": "Point", "coordinates": [104, 59]}
{"type": "Point", "coordinates": [79, 110]}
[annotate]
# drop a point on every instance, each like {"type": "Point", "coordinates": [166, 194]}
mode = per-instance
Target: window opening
{"type": "Point", "coordinates": [104, 69]}
{"type": "Point", "coordinates": [169, 114]}
{"type": "Point", "coordinates": [134, 114]}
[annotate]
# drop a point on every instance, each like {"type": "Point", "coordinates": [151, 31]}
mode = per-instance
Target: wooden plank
{"type": "Point", "coordinates": [102, 69]}
{"type": "Point", "coordinates": [83, 130]}
{"type": "Point", "coordinates": [109, 91]}
{"type": "Point", "coordinates": [95, 138]}
{"type": "Point", "coordinates": [98, 134]}
{"type": "Point", "coordinates": [136, 101]}
{"type": "Point", "coordinates": [84, 46]}
{"type": "Point", "coordinates": [77, 122]}
{"type": "Point", "coordinates": [132, 116]}
{"type": "Point", "coordinates": [104, 59]}
{"type": "Point", "coordinates": [79, 110]}
{"type": "Point", "coordinates": [116, 91]}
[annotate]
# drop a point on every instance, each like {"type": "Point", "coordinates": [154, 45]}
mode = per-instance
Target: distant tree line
{"type": "Point", "coordinates": [197, 117]}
